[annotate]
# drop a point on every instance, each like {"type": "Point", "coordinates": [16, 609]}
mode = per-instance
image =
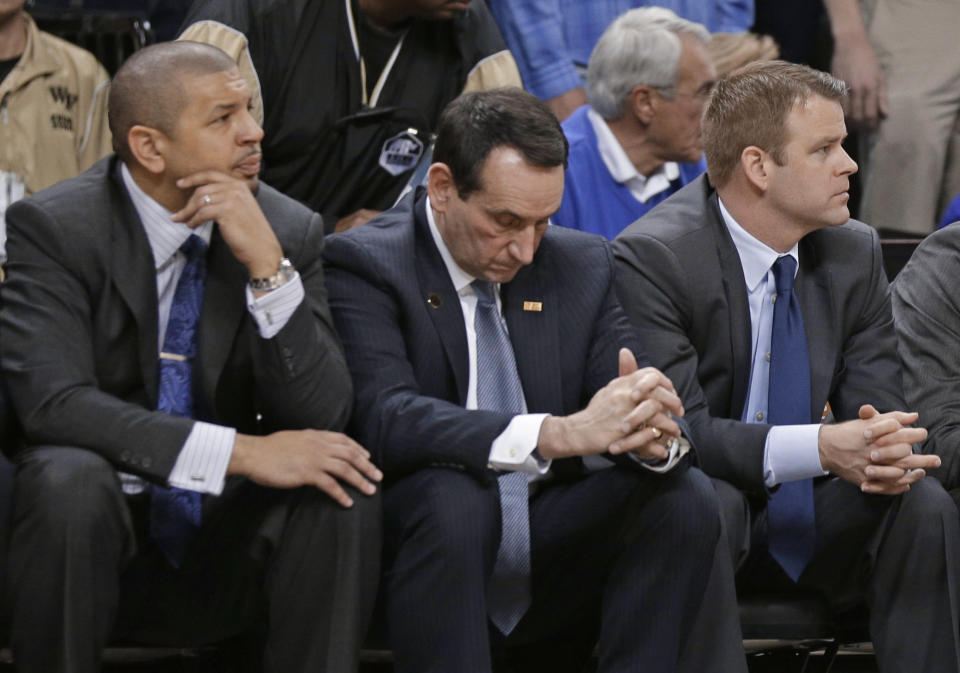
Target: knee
{"type": "Point", "coordinates": [445, 512]}
{"type": "Point", "coordinates": [690, 504]}
{"type": "Point", "coordinates": [927, 506]}
{"type": "Point", "coordinates": [61, 487]}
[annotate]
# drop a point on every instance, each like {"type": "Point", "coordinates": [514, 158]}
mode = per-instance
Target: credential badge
{"type": "Point", "coordinates": [401, 152]}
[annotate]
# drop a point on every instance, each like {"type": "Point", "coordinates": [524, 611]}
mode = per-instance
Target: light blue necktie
{"type": "Point", "coordinates": [499, 389]}
{"type": "Point", "coordinates": [792, 527]}
{"type": "Point", "coordinates": [175, 512]}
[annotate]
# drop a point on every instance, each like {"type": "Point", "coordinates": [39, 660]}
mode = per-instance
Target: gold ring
{"type": "Point", "coordinates": [657, 432]}
{"type": "Point", "coordinates": [207, 200]}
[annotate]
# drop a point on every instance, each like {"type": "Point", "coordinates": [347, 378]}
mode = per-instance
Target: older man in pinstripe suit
{"type": "Point", "coordinates": [615, 533]}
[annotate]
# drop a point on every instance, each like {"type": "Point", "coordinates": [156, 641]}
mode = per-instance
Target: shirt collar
{"type": "Point", "coordinates": [461, 279]}
{"type": "Point", "coordinates": [616, 159]}
{"type": "Point", "coordinates": [756, 257]}
{"type": "Point", "coordinates": [165, 235]}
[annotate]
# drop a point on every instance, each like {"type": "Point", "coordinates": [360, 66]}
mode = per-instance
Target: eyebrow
{"type": "Point", "coordinates": [510, 213]}
{"type": "Point", "coordinates": [223, 107]}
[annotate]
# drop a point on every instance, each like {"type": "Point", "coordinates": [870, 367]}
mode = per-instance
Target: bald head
{"type": "Point", "coordinates": [148, 89]}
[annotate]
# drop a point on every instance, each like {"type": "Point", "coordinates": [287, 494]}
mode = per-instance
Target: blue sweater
{"type": "Point", "coordinates": [592, 200]}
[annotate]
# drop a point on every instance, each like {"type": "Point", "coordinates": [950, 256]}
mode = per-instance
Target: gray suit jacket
{"type": "Point", "coordinates": [926, 306]}
{"type": "Point", "coordinates": [681, 283]}
{"type": "Point", "coordinates": [79, 330]}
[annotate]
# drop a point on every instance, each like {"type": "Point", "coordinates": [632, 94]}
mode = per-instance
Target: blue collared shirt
{"type": "Point", "coordinates": [791, 451]}
{"type": "Point", "coordinates": [550, 38]}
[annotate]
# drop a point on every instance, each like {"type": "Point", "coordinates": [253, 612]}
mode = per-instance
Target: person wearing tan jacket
{"type": "Point", "coordinates": [53, 104]}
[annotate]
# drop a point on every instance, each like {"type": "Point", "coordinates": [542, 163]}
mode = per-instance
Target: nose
{"type": "Point", "coordinates": [250, 132]}
{"type": "Point", "coordinates": [848, 166]}
{"type": "Point", "coordinates": [524, 244]}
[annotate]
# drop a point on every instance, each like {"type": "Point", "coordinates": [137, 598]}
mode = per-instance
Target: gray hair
{"type": "Point", "coordinates": [642, 46]}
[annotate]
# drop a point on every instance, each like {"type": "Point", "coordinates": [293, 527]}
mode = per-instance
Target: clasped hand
{"type": "Point", "coordinates": [632, 413]}
{"type": "Point", "coordinates": [875, 452]}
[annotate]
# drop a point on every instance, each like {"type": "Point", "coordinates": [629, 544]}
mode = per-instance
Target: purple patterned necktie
{"type": "Point", "coordinates": [499, 389]}
{"type": "Point", "coordinates": [175, 512]}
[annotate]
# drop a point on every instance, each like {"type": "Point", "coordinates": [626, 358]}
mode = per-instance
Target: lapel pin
{"type": "Point", "coordinates": [533, 306]}
{"type": "Point", "coordinates": [434, 300]}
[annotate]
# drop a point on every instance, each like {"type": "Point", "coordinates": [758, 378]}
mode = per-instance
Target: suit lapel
{"type": "Point", "coordinates": [535, 336]}
{"type": "Point", "coordinates": [735, 289]}
{"type": "Point", "coordinates": [134, 276]}
{"type": "Point", "coordinates": [438, 293]}
{"type": "Point", "coordinates": [224, 306]}
{"type": "Point", "coordinates": [813, 287]}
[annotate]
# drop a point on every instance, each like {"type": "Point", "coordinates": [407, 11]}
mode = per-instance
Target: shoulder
{"type": "Point", "coordinates": [385, 243]}
{"type": "Point", "coordinates": [78, 65]}
{"type": "Point", "coordinates": [935, 262]}
{"type": "Point", "coordinates": [77, 199]}
{"type": "Point", "coordinates": [681, 219]}
{"type": "Point", "coordinates": [841, 244]}
{"type": "Point", "coordinates": [572, 254]}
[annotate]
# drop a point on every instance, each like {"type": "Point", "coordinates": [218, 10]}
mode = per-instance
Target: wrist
{"type": "Point", "coordinates": [276, 277]}
{"type": "Point", "coordinates": [825, 446]}
{"type": "Point", "coordinates": [552, 438]}
{"type": "Point", "coordinates": [243, 447]}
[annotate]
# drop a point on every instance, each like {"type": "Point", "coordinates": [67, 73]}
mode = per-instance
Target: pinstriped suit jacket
{"type": "Point", "coordinates": [399, 316]}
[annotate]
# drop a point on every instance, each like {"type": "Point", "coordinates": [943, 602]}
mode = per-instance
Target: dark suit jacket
{"type": "Point", "coordinates": [402, 328]}
{"type": "Point", "coordinates": [79, 324]}
{"type": "Point", "coordinates": [681, 282]}
{"type": "Point", "coordinates": [926, 305]}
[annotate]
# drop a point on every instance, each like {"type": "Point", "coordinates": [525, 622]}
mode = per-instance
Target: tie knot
{"type": "Point", "coordinates": [783, 271]}
{"type": "Point", "coordinates": [193, 247]}
{"type": "Point", "coordinates": [484, 290]}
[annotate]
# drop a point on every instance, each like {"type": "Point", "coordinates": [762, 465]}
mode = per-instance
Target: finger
{"type": "Point", "coordinates": [883, 104]}
{"type": "Point", "coordinates": [870, 108]}
{"type": "Point", "coordinates": [669, 399]}
{"type": "Point", "coordinates": [886, 473]}
{"type": "Point", "coordinates": [642, 443]}
{"type": "Point", "coordinates": [906, 435]}
{"type": "Point", "coordinates": [642, 413]}
{"type": "Point", "coordinates": [912, 477]}
{"type": "Point", "coordinates": [918, 461]}
{"type": "Point", "coordinates": [883, 488]}
{"type": "Point", "coordinates": [339, 438]}
{"type": "Point", "coordinates": [648, 380]}
{"type": "Point", "coordinates": [856, 105]}
{"type": "Point", "coordinates": [888, 455]}
{"type": "Point", "coordinates": [636, 441]}
{"type": "Point", "coordinates": [665, 424]}
{"type": "Point", "coordinates": [348, 473]}
{"type": "Point", "coordinates": [627, 362]}
{"type": "Point", "coordinates": [329, 485]}
{"type": "Point", "coordinates": [363, 464]}
{"type": "Point", "coordinates": [867, 411]}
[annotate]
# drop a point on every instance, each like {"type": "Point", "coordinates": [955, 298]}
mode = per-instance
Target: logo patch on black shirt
{"type": "Point", "coordinates": [400, 153]}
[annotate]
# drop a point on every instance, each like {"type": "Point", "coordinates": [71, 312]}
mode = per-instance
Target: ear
{"type": "Point", "coordinates": [643, 103]}
{"type": "Point", "coordinates": [755, 163]}
{"type": "Point", "coordinates": [148, 145]}
{"type": "Point", "coordinates": [441, 187]}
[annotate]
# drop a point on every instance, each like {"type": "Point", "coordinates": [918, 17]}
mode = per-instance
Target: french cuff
{"type": "Point", "coordinates": [273, 309]}
{"type": "Point", "coordinates": [202, 463]}
{"type": "Point", "coordinates": [675, 451]}
{"type": "Point", "coordinates": [513, 449]}
{"type": "Point", "coordinates": [791, 453]}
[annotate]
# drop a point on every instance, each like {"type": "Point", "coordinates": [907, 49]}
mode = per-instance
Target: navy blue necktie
{"type": "Point", "coordinates": [791, 515]}
{"type": "Point", "coordinates": [499, 389]}
{"type": "Point", "coordinates": [175, 512]}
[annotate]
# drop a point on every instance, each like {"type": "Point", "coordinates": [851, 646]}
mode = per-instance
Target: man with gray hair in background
{"type": "Point", "coordinates": [638, 140]}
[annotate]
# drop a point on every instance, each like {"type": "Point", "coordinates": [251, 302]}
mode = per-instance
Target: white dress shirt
{"type": "Point", "coordinates": [791, 452]}
{"type": "Point", "coordinates": [202, 462]}
{"type": "Point", "coordinates": [513, 448]}
{"type": "Point", "coordinates": [643, 188]}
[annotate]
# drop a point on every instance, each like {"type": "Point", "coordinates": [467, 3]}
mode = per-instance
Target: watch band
{"type": "Point", "coordinates": [284, 271]}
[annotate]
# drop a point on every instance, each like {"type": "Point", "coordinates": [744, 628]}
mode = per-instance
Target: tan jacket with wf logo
{"type": "Point", "coordinates": [53, 112]}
